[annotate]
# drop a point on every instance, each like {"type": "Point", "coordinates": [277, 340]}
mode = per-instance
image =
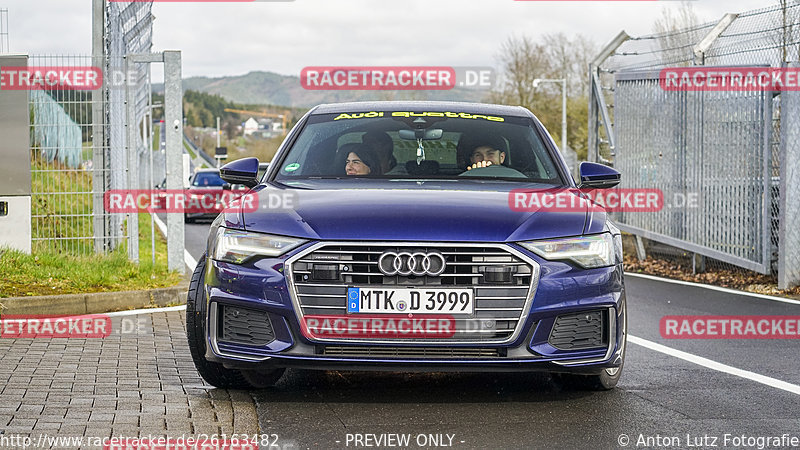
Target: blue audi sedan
{"type": "Point", "coordinates": [412, 236]}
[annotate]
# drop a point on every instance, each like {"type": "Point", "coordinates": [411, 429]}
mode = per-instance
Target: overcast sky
{"type": "Point", "coordinates": [231, 39]}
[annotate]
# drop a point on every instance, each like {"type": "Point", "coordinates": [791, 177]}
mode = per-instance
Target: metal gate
{"type": "Point", "coordinates": [710, 154]}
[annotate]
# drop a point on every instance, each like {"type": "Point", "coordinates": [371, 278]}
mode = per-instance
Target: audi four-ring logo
{"type": "Point", "coordinates": [412, 263]}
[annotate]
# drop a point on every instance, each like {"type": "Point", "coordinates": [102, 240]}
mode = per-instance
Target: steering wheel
{"type": "Point", "coordinates": [499, 171]}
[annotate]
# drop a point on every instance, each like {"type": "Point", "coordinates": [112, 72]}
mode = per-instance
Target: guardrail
{"type": "Point", "coordinates": [208, 159]}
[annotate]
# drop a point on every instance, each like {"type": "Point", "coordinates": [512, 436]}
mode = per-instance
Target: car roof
{"type": "Point", "coordinates": [473, 108]}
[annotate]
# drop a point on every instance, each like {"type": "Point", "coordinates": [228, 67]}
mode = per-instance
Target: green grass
{"type": "Point", "coordinates": [71, 266]}
{"type": "Point", "coordinates": [156, 137]}
{"type": "Point", "coordinates": [61, 206]}
{"type": "Point", "coordinates": [50, 273]}
{"type": "Point", "coordinates": [87, 153]}
{"type": "Point", "coordinates": [189, 149]}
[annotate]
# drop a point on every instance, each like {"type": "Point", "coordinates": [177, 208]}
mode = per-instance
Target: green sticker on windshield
{"type": "Point", "coordinates": [291, 167]}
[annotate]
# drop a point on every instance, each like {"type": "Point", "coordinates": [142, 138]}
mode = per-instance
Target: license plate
{"type": "Point", "coordinates": [362, 300]}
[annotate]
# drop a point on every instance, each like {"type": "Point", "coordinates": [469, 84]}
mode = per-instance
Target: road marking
{"type": "Point", "coordinates": [134, 312]}
{"type": "Point", "coordinates": [161, 226]}
{"type": "Point", "coordinates": [187, 257]}
{"type": "Point", "coordinates": [710, 364]}
{"type": "Point", "coordinates": [714, 288]}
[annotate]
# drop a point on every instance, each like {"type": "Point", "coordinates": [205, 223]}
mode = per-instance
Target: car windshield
{"type": "Point", "coordinates": [208, 179]}
{"type": "Point", "coordinates": [428, 145]}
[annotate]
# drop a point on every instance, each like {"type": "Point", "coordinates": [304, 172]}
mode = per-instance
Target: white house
{"type": "Point", "coordinates": [250, 126]}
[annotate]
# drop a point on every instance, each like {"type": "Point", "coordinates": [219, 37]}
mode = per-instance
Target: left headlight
{"type": "Point", "coordinates": [589, 252]}
{"type": "Point", "coordinates": [236, 246]}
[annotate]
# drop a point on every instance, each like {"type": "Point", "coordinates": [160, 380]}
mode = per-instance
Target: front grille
{"type": "Point", "coordinates": [500, 302]}
{"type": "Point", "coordinates": [579, 331]}
{"type": "Point", "coordinates": [245, 326]}
{"type": "Point", "coordinates": [413, 352]}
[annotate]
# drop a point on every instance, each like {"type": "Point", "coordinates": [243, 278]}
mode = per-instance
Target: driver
{"type": "Point", "coordinates": [382, 144]}
{"type": "Point", "coordinates": [485, 153]}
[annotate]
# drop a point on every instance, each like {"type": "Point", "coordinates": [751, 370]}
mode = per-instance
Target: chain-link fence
{"type": "Point", "coordinates": [79, 138]}
{"type": "Point", "coordinates": [62, 163]}
{"type": "Point", "coordinates": [129, 29]}
{"type": "Point", "coordinates": [706, 155]}
{"type": "Point", "coordinates": [721, 158]}
{"type": "Point", "coordinates": [789, 198]}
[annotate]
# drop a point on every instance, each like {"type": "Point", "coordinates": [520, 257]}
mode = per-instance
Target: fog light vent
{"type": "Point", "coordinates": [579, 331]}
{"type": "Point", "coordinates": [245, 326]}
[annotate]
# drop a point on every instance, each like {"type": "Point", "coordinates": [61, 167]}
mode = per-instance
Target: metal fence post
{"type": "Point", "coordinates": [99, 220]}
{"type": "Point", "coordinates": [131, 129]}
{"type": "Point", "coordinates": [789, 234]}
{"type": "Point", "coordinates": [173, 129]}
{"type": "Point", "coordinates": [597, 107]}
{"type": "Point", "coordinates": [702, 47]}
{"type": "Point", "coordinates": [641, 253]}
{"type": "Point", "coordinates": [593, 147]}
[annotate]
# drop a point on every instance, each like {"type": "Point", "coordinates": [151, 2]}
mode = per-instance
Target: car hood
{"type": "Point", "coordinates": [404, 214]}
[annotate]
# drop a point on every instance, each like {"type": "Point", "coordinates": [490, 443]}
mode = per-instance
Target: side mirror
{"type": "Point", "coordinates": [597, 176]}
{"type": "Point", "coordinates": [243, 171]}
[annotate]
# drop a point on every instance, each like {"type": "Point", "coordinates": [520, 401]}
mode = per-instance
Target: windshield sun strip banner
{"type": "Point", "coordinates": [408, 114]}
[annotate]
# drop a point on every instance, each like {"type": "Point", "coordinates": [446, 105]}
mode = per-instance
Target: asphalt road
{"type": "Point", "coordinates": [195, 237]}
{"type": "Point", "coordinates": [662, 401]}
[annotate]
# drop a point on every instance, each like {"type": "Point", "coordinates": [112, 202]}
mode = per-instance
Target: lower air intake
{"type": "Point", "coordinates": [245, 326]}
{"type": "Point", "coordinates": [579, 331]}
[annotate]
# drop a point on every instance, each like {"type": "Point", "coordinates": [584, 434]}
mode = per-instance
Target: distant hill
{"type": "Point", "coordinates": [268, 88]}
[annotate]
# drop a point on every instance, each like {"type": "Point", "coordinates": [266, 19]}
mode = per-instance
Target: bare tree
{"type": "Point", "coordinates": [570, 59]}
{"type": "Point", "coordinates": [675, 33]}
{"type": "Point", "coordinates": [789, 29]}
{"type": "Point", "coordinates": [523, 60]}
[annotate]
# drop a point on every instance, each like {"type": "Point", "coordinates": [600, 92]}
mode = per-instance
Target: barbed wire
{"type": "Point", "coordinates": [754, 37]}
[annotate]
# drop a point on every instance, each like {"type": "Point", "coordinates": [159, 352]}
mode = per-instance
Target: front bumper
{"type": "Point", "coordinates": [564, 298]}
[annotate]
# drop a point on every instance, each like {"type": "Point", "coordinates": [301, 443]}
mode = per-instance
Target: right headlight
{"type": "Point", "coordinates": [236, 246]}
{"type": "Point", "coordinates": [588, 252]}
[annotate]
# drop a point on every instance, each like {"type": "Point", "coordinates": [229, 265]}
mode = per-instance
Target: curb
{"type": "Point", "coordinates": [94, 303]}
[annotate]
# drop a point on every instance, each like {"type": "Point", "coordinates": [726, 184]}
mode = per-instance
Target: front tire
{"type": "Point", "coordinates": [262, 379]}
{"type": "Point", "coordinates": [215, 374]}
